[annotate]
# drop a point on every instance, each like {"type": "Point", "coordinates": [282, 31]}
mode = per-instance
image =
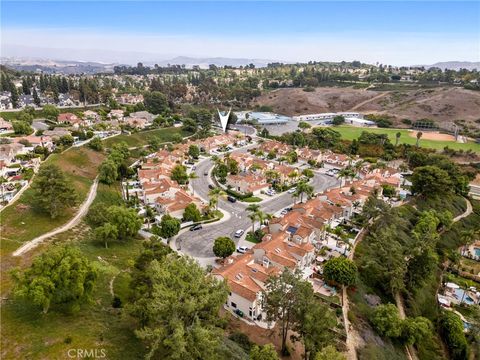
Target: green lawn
{"type": "Point", "coordinates": [21, 222]}
{"type": "Point", "coordinates": [352, 132]}
{"type": "Point", "coordinates": [141, 138]}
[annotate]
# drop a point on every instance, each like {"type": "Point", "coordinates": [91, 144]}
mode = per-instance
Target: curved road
{"type": "Point", "coordinates": [199, 243]}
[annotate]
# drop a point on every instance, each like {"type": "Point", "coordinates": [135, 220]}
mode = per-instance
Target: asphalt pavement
{"type": "Point", "coordinates": [199, 243]}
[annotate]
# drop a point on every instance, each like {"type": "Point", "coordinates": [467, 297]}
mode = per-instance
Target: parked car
{"type": "Point", "coordinates": [270, 192]}
{"type": "Point", "coordinates": [205, 173]}
{"type": "Point", "coordinates": [196, 227]}
{"type": "Point", "coordinates": [194, 167]}
{"type": "Point", "coordinates": [242, 249]}
{"type": "Point", "coordinates": [292, 190]}
{"type": "Point", "coordinates": [284, 212]}
{"type": "Point", "coordinates": [210, 186]}
{"type": "Point", "coordinates": [231, 199]}
{"type": "Point", "coordinates": [239, 312]}
{"type": "Point", "coordinates": [239, 233]}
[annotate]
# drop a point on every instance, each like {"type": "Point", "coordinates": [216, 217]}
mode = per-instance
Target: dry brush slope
{"type": "Point", "coordinates": [444, 105]}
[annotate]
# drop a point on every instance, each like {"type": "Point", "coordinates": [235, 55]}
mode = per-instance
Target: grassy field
{"type": "Point", "coordinates": [141, 138]}
{"type": "Point", "coordinates": [26, 333]}
{"type": "Point", "coordinates": [21, 222]}
{"type": "Point", "coordinates": [352, 132]}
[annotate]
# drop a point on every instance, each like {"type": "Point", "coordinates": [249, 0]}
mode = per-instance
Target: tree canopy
{"type": "Point", "coordinates": [52, 191]}
{"type": "Point", "coordinates": [191, 213]}
{"type": "Point", "coordinates": [223, 247]}
{"type": "Point", "coordinates": [59, 276]}
{"type": "Point", "coordinates": [340, 271]}
{"type": "Point", "coordinates": [430, 181]}
{"type": "Point", "coordinates": [265, 352]}
{"type": "Point", "coordinates": [179, 174]}
{"type": "Point", "coordinates": [169, 227]}
{"type": "Point", "coordinates": [155, 102]}
{"type": "Point", "coordinates": [185, 329]}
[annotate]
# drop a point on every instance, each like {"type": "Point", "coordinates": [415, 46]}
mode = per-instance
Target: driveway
{"type": "Point", "coordinates": [199, 244]}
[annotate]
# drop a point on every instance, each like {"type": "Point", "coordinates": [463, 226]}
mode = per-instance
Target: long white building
{"type": "Point", "coordinates": [327, 116]}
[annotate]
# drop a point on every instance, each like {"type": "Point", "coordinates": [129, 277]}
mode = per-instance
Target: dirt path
{"type": "Point", "coordinates": [354, 340]}
{"type": "Point", "coordinates": [74, 221]}
{"type": "Point", "coordinates": [359, 105]}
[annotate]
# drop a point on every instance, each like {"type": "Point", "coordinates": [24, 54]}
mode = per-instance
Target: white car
{"type": "Point", "coordinates": [284, 212]}
{"type": "Point", "coordinates": [239, 233]}
{"type": "Point", "coordinates": [242, 249]}
{"type": "Point", "coordinates": [292, 190]}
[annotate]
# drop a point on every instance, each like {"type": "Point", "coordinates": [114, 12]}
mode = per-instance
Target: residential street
{"type": "Point", "coordinates": [199, 244]}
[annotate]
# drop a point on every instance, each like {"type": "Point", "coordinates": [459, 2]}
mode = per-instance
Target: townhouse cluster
{"type": "Point", "coordinates": [294, 240]}
{"type": "Point", "coordinates": [156, 189]}
{"type": "Point", "coordinates": [253, 175]}
{"type": "Point", "coordinates": [115, 118]}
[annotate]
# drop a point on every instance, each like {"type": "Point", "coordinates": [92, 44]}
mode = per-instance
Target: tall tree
{"type": "Point", "coordinates": [185, 329]}
{"type": "Point", "coordinates": [169, 227]}
{"type": "Point", "coordinates": [281, 300]}
{"type": "Point", "coordinates": [36, 98]}
{"type": "Point", "coordinates": [108, 172]}
{"type": "Point", "coordinates": [303, 188]}
{"type": "Point", "coordinates": [156, 102]}
{"type": "Point", "coordinates": [179, 174]}
{"type": "Point", "coordinates": [53, 193]}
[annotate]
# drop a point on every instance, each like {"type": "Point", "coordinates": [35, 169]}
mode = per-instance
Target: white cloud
{"type": "Point", "coordinates": [393, 48]}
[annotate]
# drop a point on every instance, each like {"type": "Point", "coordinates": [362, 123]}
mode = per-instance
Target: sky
{"type": "Point", "coordinates": [388, 32]}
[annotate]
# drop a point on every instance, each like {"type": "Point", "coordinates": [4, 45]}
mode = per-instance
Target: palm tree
{"type": "Point", "coordinates": [254, 210]}
{"type": "Point", "coordinates": [397, 137]}
{"type": "Point", "coordinates": [149, 215]}
{"type": "Point", "coordinates": [303, 189]}
{"type": "Point", "coordinates": [214, 195]}
{"type": "Point", "coordinates": [419, 135]}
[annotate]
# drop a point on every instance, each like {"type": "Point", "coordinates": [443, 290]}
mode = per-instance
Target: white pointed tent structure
{"type": "Point", "coordinates": [224, 118]}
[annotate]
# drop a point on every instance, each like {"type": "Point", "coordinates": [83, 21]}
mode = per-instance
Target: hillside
{"type": "Point", "coordinates": [443, 105]}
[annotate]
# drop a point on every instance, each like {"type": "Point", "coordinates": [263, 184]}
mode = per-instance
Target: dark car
{"type": "Point", "coordinates": [196, 227]}
{"type": "Point", "coordinates": [231, 199]}
{"type": "Point", "coordinates": [210, 186]}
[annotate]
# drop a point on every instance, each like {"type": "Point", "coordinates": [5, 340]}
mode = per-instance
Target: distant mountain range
{"type": "Point", "coordinates": [92, 67]}
{"type": "Point", "coordinates": [50, 66]}
{"type": "Point", "coordinates": [455, 65]}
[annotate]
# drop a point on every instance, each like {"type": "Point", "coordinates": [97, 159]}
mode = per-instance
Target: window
{"type": "Point", "coordinates": [233, 305]}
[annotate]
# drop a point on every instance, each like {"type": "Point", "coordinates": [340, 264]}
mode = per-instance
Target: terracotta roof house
{"type": "Point", "coordinates": [176, 202]}
{"type": "Point", "coordinates": [246, 182]}
{"type": "Point", "coordinates": [69, 118]}
{"type": "Point", "coordinates": [246, 274]}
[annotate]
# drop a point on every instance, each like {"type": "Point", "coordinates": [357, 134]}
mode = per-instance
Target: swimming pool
{"type": "Point", "coordinates": [477, 251]}
{"type": "Point", "coordinates": [466, 299]}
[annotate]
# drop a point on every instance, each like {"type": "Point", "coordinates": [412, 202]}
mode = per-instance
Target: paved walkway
{"type": "Point", "coordinates": [82, 211]}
